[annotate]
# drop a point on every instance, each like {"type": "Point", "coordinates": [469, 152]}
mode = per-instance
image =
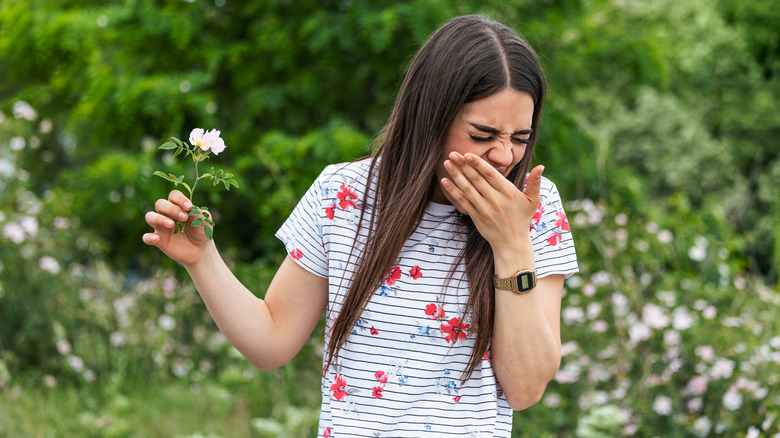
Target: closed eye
{"type": "Point", "coordinates": [491, 138]}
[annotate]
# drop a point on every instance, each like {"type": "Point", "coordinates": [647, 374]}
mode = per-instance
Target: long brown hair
{"type": "Point", "coordinates": [467, 59]}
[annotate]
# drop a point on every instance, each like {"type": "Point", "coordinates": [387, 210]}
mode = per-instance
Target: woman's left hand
{"type": "Point", "coordinates": [501, 212]}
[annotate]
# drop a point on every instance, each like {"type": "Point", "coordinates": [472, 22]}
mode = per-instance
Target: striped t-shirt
{"type": "Point", "coordinates": [398, 375]}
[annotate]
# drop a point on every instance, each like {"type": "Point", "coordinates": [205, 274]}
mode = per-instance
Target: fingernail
{"type": "Point", "coordinates": [187, 205]}
{"type": "Point", "coordinates": [455, 157]}
{"type": "Point", "coordinates": [168, 223]}
{"type": "Point", "coordinates": [469, 157]}
{"type": "Point", "coordinates": [448, 165]}
{"type": "Point", "coordinates": [182, 215]}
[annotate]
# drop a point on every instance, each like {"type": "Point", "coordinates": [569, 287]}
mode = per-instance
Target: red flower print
{"type": "Point", "coordinates": [554, 239]}
{"type": "Point", "coordinates": [330, 212]}
{"type": "Point", "coordinates": [415, 272]}
{"type": "Point", "coordinates": [377, 392]}
{"type": "Point", "coordinates": [434, 311]}
{"type": "Point", "coordinates": [374, 331]}
{"type": "Point", "coordinates": [381, 376]}
{"type": "Point", "coordinates": [346, 197]}
{"type": "Point", "coordinates": [562, 222]}
{"type": "Point", "coordinates": [296, 254]}
{"type": "Point", "coordinates": [326, 433]}
{"type": "Point", "coordinates": [486, 356]}
{"type": "Point", "coordinates": [339, 388]}
{"type": "Point", "coordinates": [394, 275]}
{"type": "Point", "coordinates": [455, 330]}
{"type": "Point", "coordinates": [457, 399]}
{"type": "Point", "coordinates": [537, 217]}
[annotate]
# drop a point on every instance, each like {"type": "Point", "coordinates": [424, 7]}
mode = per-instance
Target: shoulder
{"type": "Point", "coordinates": [346, 172]}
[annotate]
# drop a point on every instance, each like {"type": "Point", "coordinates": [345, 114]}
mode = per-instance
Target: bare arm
{"type": "Point", "coordinates": [526, 331]}
{"type": "Point", "coordinates": [268, 332]}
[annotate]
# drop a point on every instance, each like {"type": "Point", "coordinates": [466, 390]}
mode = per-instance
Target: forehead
{"type": "Point", "coordinates": [508, 109]}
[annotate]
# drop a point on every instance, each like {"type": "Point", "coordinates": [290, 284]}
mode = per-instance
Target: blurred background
{"type": "Point", "coordinates": [661, 132]}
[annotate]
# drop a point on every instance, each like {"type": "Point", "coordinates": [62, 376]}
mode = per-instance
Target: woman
{"type": "Point", "coordinates": [442, 304]}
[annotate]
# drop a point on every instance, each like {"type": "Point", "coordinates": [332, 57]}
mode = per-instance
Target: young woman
{"type": "Point", "coordinates": [438, 261]}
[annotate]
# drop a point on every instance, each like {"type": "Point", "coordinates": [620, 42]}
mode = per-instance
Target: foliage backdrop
{"type": "Point", "coordinates": [661, 130]}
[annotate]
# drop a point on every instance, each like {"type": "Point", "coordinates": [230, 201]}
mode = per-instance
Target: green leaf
{"type": "Point", "coordinates": [178, 142]}
{"type": "Point", "coordinates": [161, 175]}
{"type": "Point", "coordinates": [167, 146]}
{"type": "Point", "coordinates": [216, 181]}
{"type": "Point", "coordinates": [197, 222]}
{"type": "Point", "coordinates": [194, 212]}
{"type": "Point", "coordinates": [179, 180]}
{"type": "Point", "coordinates": [186, 185]}
{"type": "Point", "coordinates": [209, 231]}
{"type": "Point", "coordinates": [227, 186]}
{"type": "Point", "coordinates": [178, 151]}
{"type": "Point", "coordinates": [233, 182]}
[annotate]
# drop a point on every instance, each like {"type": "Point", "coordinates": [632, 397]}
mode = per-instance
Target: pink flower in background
{"type": "Point", "coordinates": [207, 140]}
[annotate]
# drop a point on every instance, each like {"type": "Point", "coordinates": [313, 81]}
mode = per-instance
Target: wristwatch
{"type": "Point", "coordinates": [521, 282]}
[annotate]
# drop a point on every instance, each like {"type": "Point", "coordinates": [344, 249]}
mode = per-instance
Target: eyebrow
{"type": "Point", "coordinates": [492, 130]}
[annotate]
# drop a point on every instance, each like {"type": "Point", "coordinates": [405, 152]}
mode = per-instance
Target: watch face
{"type": "Point", "coordinates": [525, 281]}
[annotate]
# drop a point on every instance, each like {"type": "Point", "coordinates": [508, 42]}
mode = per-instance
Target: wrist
{"type": "Point", "coordinates": [198, 265]}
{"type": "Point", "coordinates": [513, 256]}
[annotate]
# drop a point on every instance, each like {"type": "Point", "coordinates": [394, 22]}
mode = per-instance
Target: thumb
{"type": "Point", "coordinates": [534, 182]}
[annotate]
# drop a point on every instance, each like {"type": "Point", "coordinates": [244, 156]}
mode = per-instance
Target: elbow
{"type": "Point", "coordinates": [520, 400]}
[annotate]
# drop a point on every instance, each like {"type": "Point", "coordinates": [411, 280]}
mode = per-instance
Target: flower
{"type": "Point", "coordinates": [346, 197]}
{"type": "Point", "coordinates": [662, 405]}
{"type": "Point", "coordinates": [381, 376]}
{"type": "Point", "coordinates": [374, 331]}
{"type": "Point", "coordinates": [394, 275]}
{"type": "Point", "coordinates": [434, 311]}
{"type": "Point", "coordinates": [330, 211]}
{"type": "Point", "coordinates": [415, 272]}
{"type": "Point", "coordinates": [14, 232]}
{"type": "Point", "coordinates": [456, 399]}
{"type": "Point", "coordinates": [326, 433]}
{"type": "Point", "coordinates": [377, 392]}
{"type": "Point", "coordinates": [339, 388]}
{"type": "Point", "coordinates": [296, 254]}
{"type": "Point", "coordinates": [49, 264]}
{"type": "Point", "coordinates": [455, 330]}
{"type": "Point", "coordinates": [207, 140]}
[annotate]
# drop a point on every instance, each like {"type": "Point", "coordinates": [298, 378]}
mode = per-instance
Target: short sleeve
{"type": "Point", "coordinates": [302, 232]}
{"type": "Point", "coordinates": [551, 235]}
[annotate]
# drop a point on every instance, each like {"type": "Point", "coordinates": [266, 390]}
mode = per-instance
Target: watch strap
{"type": "Point", "coordinates": [521, 282]}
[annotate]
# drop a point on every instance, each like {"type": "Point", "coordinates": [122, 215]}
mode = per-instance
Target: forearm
{"type": "Point", "coordinates": [244, 319]}
{"type": "Point", "coordinates": [525, 347]}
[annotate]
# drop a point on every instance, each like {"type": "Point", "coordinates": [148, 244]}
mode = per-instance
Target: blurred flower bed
{"type": "Point", "coordinates": [664, 334]}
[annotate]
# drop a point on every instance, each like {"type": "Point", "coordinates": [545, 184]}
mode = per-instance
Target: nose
{"type": "Point", "coordinates": [500, 155]}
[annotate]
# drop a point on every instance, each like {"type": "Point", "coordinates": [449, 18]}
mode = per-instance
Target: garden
{"type": "Point", "coordinates": [660, 132]}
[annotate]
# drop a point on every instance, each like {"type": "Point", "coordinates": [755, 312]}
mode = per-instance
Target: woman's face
{"type": "Point", "coordinates": [496, 128]}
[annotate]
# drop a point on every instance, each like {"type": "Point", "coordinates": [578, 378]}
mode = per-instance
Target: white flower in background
{"type": "Point", "coordinates": [654, 316]}
{"type": "Point", "coordinates": [638, 333]}
{"type": "Point", "coordinates": [723, 369]}
{"type": "Point", "coordinates": [651, 227]}
{"type": "Point", "coordinates": [89, 376]}
{"type": "Point", "coordinates": [753, 432]}
{"type": "Point", "coordinates": [166, 322]}
{"type": "Point", "coordinates": [76, 363]}
{"type": "Point", "coordinates": [672, 338]}
{"type": "Point", "coordinates": [697, 253]}
{"type": "Point", "coordinates": [552, 400]}
{"type": "Point", "coordinates": [30, 225]}
{"type": "Point", "coordinates": [665, 236]}
{"type": "Point", "coordinates": [49, 381]}
{"type": "Point", "coordinates": [621, 219]}
{"type": "Point", "coordinates": [732, 399]}
{"type": "Point", "coordinates": [23, 110]}
{"type": "Point", "coordinates": [118, 339]}
{"type": "Point", "coordinates": [599, 326]}
{"type": "Point", "coordinates": [14, 232]}
{"type": "Point", "coordinates": [681, 318]}
{"type": "Point", "coordinates": [589, 290]}
{"type": "Point", "coordinates": [207, 140]}
{"type": "Point", "coordinates": [46, 126]}
{"type": "Point", "coordinates": [697, 385]}
{"type": "Point", "coordinates": [63, 347]}
{"type": "Point", "coordinates": [705, 352]}
{"type": "Point", "coordinates": [593, 310]}
{"type": "Point", "coordinates": [709, 312]}
{"type": "Point", "coordinates": [662, 405]}
{"type": "Point", "coordinates": [620, 303]}
{"type": "Point", "coordinates": [49, 264]}
{"type": "Point", "coordinates": [573, 315]}
{"type": "Point", "coordinates": [702, 426]}
{"type": "Point", "coordinates": [17, 143]}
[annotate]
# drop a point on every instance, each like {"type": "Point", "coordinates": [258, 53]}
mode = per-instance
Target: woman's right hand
{"type": "Point", "coordinates": [186, 248]}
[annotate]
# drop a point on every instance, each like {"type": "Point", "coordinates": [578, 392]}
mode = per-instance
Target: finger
{"type": "Point", "coordinates": [458, 198]}
{"type": "Point", "coordinates": [534, 182]}
{"type": "Point", "coordinates": [158, 221]}
{"type": "Point", "coordinates": [179, 199]}
{"type": "Point", "coordinates": [461, 181]}
{"type": "Point", "coordinates": [490, 174]}
{"type": "Point", "coordinates": [170, 209]}
{"type": "Point", "coordinates": [151, 239]}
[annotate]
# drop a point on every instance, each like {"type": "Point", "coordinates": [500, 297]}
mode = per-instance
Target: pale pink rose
{"type": "Point", "coordinates": [654, 316]}
{"type": "Point", "coordinates": [49, 381]}
{"type": "Point", "coordinates": [709, 312]}
{"type": "Point", "coordinates": [722, 369]}
{"type": "Point", "coordinates": [589, 290]}
{"type": "Point", "coordinates": [207, 140]}
{"type": "Point", "coordinates": [49, 264]}
{"type": "Point", "coordinates": [14, 232]}
{"type": "Point", "coordinates": [76, 363]}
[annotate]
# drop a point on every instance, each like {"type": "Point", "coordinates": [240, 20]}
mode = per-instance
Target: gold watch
{"type": "Point", "coordinates": [521, 282]}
